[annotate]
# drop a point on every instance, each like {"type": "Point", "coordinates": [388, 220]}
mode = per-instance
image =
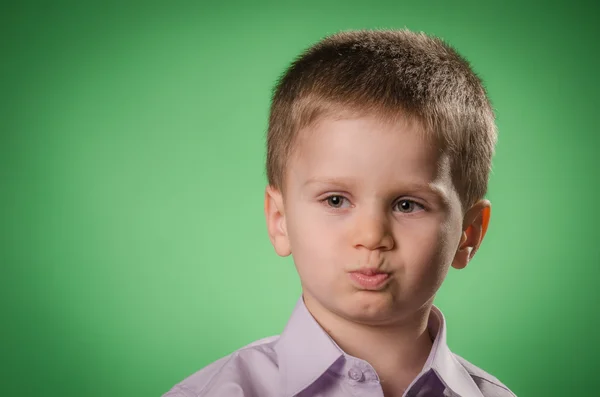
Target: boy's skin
{"type": "Point", "coordinates": [371, 223]}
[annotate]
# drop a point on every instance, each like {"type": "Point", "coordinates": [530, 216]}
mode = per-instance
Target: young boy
{"type": "Point", "coordinates": [378, 154]}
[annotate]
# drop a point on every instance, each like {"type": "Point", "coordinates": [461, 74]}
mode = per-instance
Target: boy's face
{"type": "Point", "coordinates": [362, 194]}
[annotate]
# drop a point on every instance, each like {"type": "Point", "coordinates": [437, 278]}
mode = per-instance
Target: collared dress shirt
{"type": "Point", "coordinates": [305, 362]}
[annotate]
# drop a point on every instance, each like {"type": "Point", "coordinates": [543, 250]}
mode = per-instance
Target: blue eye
{"type": "Point", "coordinates": [408, 206]}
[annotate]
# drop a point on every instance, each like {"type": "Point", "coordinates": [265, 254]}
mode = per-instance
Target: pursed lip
{"type": "Point", "coordinates": [369, 279]}
{"type": "Point", "coordinates": [369, 271]}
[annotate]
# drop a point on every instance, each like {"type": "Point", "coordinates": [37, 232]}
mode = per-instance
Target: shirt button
{"type": "Point", "coordinates": [356, 374]}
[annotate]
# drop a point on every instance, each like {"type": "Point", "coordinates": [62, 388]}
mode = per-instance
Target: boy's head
{"type": "Point", "coordinates": [378, 154]}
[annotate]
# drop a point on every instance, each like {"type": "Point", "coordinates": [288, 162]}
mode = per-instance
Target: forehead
{"type": "Point", "coordinates": [367, 149]}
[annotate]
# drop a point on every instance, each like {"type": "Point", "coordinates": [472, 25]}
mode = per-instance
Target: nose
{"type": "Point", "coordinates": [372, 231]}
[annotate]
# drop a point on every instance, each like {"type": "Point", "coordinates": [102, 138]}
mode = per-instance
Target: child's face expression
{"type": "Point", "coordinates": [364, 194]}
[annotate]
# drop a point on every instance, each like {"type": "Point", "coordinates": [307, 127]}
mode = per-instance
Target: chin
{"type": "Point", "coordinates": [380, 318]}
{"type": "Point", "coordinates": [371, 308]}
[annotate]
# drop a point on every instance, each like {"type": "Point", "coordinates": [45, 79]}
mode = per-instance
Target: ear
{"type": "Point", "coordinates": [475, 226]}
{"type": "Point", "coordinates": [276, 226]}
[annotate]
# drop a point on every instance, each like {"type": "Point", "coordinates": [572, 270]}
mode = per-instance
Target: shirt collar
{"type": "Point", "coordinates": [442, 361]}
{"type": "Point", "coordinates": [305, 352]}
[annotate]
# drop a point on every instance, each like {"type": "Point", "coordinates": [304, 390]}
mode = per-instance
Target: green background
{"type": "Point", "coordinates": [133, 245]}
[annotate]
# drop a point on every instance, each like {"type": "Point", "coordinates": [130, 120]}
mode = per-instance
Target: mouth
{"type": "Point", "coordinates": [369, 279]}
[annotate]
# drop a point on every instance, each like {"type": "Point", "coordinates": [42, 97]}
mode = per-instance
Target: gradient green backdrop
{"type": "Point", "coordinates": [133, 244]}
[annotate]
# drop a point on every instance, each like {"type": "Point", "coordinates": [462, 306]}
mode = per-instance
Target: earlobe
{"type": "Point", "coordinates": [475, 227]}
{"type": "Point", "coordinates": [276, 222]}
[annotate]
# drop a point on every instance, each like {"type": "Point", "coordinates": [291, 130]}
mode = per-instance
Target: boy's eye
{"type": "Point", "coordinates": [408, 206]}
{"type": "Point", "coordinates": [405, 206]}
{"type": "Point", "coordinates": [335, 201]}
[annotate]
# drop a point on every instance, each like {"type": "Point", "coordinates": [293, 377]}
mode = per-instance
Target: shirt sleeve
{"type": "Point", "coordinates": [218, 379]}
{"type": "Point", "coordinates": [219, 390]}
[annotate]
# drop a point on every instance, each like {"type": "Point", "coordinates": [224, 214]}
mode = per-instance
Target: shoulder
{"type": "Point", "coordinates": [247, 372]}
{"type": "Point", "coordinates": [489, 385]}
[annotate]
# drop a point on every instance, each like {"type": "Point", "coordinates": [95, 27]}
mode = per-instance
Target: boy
{"type": "Point", "coordinates": [378, 154]}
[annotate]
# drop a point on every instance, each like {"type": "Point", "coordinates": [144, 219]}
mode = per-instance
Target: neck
{"type": "Point", "coordinates": [397, 351]}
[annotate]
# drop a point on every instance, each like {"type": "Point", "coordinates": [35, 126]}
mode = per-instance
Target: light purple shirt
{"type": "Point", "coordinates": [304, 361]}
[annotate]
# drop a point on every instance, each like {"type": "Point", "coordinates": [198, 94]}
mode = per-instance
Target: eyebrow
{"type": "Point", "coordinates": [430, 189]}
{"type": "Point", "coordinates": [330, 181]}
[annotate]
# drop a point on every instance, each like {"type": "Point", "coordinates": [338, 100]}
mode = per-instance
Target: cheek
{"type": "Point", "coordinates": [316, 244]}
{"type": "Point", "coordinates": [427, 251]}
{"type": "Point", "coordinates": [310, 227]}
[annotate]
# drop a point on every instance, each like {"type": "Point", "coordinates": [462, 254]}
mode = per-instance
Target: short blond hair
{"type": "Point", "coordinates": [393, 74]}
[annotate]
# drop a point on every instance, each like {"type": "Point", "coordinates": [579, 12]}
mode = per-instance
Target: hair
{"type": "Point", "coordinates": [392, 74]}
